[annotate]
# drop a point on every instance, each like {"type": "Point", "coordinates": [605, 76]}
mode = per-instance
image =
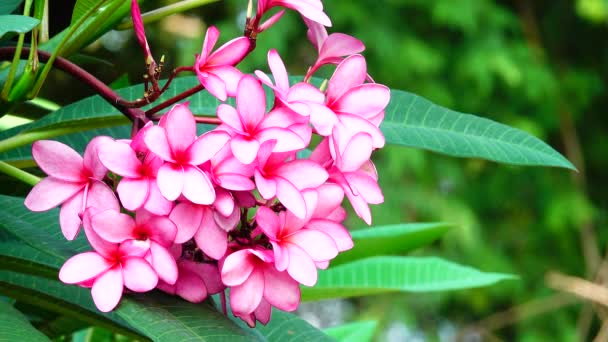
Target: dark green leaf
{"type": "Point", "coordinates": [8, 6]}
{"type": "Point", "coordinates": [388, 240]}
{"type": "Point", "coordinates": [82, 7]}
{"type": "Point", "coordinates": [384, 274]}
{"type": "Point", "coordinates": [14, 326]}
{"type": "Point", "coordinates": [353, 332]}
{"type": "Point", "coordinates": [16, 23]}
{"type": "Point", "coordinates": [284, 326]}
{"type": "Point", "coordinates": [416, 122]}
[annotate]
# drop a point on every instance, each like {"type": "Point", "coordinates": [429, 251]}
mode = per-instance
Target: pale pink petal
{"type": "Point", "coordinates": [229, 75]}
{"type": "Point", "coordinates": [50, 192]}
{"type": "Point", "coordinates": [156, 140]}
{"type": "Point", "coordinates": [224, 202]}
{"type": "Point", "coordinates": [291, 198]}
{"type": "Point", "coordinates": [237, 267]}
{"type": "Point", "coordinates": [250, 102]}
{"type": "Point", "coordinates": [120, 158]}
{"type": "Point", "coordinates": [336, 231]}
{"type": "Point", "coordinates": [281, 256]}
{"type": "Point", "coordinates": [134, 248]}
{"type": "Point", "coordinates": [230, 53]}
{"type": "Point", "coordinates": [91, 160]}
{"type": "Point", "coordinates": [163, 263]}
{"type": "Point", "coordinates": [332, 195]}
{"type": "Point", "coordinates": [207, 146]}
{"type": "Point", "coordinates": [340, 44]}
{"type": "Point", "coordinates": [287, 140]}
{"type": "Point", "coordinates": [156, 203]}
{"type": "Point", "coordinates": [359, 205]}
{"type": "Point", "coordinates": [280, 290]}
{"type": "Point", "coordinates": [104, 248]}
{"type": "Point", "coordinates": [191, 287]}
{"type": "Point", "coordinates": [69, 216]}
{"type": "Point", "coordinates": [322, 264]}
{"type": "Point", "coordinates": [302, 173]}
{"type": "Point", "coordinates": [350, 73]}
{"type": "Point", "coordinates": [83, 267]}
{"type": "Point", "coordinates": [322, 118]}
{"type": "Point", "coordinates": [160, 229]}
{"type": "Point", "coordinates": [352, 124]}
{"type": "Point", "coordinates": [236, 182]}
{"type": "Point", "coordinates": [58, 160]}
{"type": "Point", "coordinates": [170, 181]}
{"type": "Point", "coordinates": [230, 117]}
{"type": "Point", "coordinates": [318, 245]}
{"type": "Point", "coordinates": [197, 186]}
{"type": "Point", "coordinates": [101, 196]}
{"type": "Point", "coordinates": [316, 33]}
{"type": "Point", "coordinates": [269, 22]}
{"type": "Point", "coordinates": [107, 289]}
{"type": "Point", "coordinates": [133, 192]}
{"type": "Point", "coordinates": [246, 297]}
{"type": "Point", "coordinates": [266, 186]}
{"type": "Point", "coordinates": [278, 70]}
{"type": "Point", "coordinates": [113, 226]}
{"type": "Point", "coordinates": [366, 186]}
{"type": "Point", "coordinates": [227, 223]}
{"type": "Point", "coordinates": [268, 221]}
{"type": "Point", "coordinates": [214, 85]}
{"type": "Point", "coordinates": [244, 149]}
{"type": "Point", "coordinates": [305, 92]}
{"type": "Point", "coordinates": [357, 151]}
{"type": "Point", "coordinates": [139, 276]}
{"type": "Point", "coordinates": [366, 100]}
{"type": "Point", "coordinates": [187, 217]}
{"type": "Point", "coordinates": [180, 127]}
{"type": "Point", "coordinates": [301, 267]}
{"type": "Point", "coordinates": [210, 238]}
{"type": "Point", "coordinates": [307, 9]}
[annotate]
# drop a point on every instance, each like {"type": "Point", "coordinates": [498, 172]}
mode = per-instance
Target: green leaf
{"type": "Point", "coordinates": [389, 240]}
{"type": "Point", "coordinates": [14, 326]}
{"type": "Point", "coordinates": [353, 332]}
{"type": "Point", "coordinates": [416, 122]}
{"type": "Point", "coordinates": [385, 274]}
{"type": "Point", "coordinates": [81, 7]}
{"type": "Point", "coordinates": [17, 23]}
{"type": "Point", "coordinates": [284, 326]}
{"type": "Point", "coordinates": [8, 6]}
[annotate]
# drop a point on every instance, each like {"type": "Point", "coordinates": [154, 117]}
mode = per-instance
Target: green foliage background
{"type": "Point", "coordinates": [540, 66]}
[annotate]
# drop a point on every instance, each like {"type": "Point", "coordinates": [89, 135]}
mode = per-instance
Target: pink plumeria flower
{"type": "Point", "coordinates": [350, 167]}
{"type": "Point", "coordinates": [198, 222]}
{"type": "Point", "coordinates": [229, 173]}
{"type": "Point", "coordinates": [311, 9]}
{"type": "Point", "coordinates": [140, 33]}
{"type": "Point", "coordinates": [296, 249]}
{"type": "Point", "coordinates": [73, 182]}
{"type": "Point", "coordinates": [331, 48]}
{"type": "Point", "coordinates": [261, 314]}
{"type": "Point", "coordinates": [302, 98]}
{"type": "Point", "coordinates": [216, 70]}
{"type": "Point", "coordinates": [109, 268]}
{"type": "Point", "coordinates": [249, 127]}
{"type": "Point", "coordinates": [252, 277]}
{"type": "Point", "coordinates": [352, 99]}
{"type": "Point", "coordinates": [157, 231]}
{"type": "Point", "coordinates": [287, 180]}
{"type": "Point", "coordinates": [137, 189]}
{"type": "Point", "coordinates": [176, 143]}
{"type": "Point", "coordinates": [195, 281]}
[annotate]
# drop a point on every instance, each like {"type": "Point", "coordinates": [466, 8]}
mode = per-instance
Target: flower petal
{"type": "Point", "coordinates": [207, 146]}
{"type": "Point", "coordinates": [336, 231]}
{"type": "Point", "coordinates": [156, 203]}
{"type": "Point", "coordinates": [107, 289]}
{"type": "Point", "coordinates": [187, 217]}
{"type": "Point", "coordinates": [133, 192]}
{"type": "Point", "coordinates": [156, 140]}
{"type": "Point", "coordinates": [280, 290]}
{"type": "Point", "coordinates": [245, 298]}
{"type": "Point", "coordinates": [58, 160]}
{"type": "Point", "coordinates": [266, 186]}
{"type": "Point", "coordinates": [301, 267]}
{"type": "Point", "coordinates": [180, 127]}
{"type": "Point", "coordinates": [250, 102]}
{"type": "Point", "coordinates": [237, 267]}
{"type": "Point", "coordinates": [51, 192]}
{"type": "Point", "coordinates": [303, 174]}
{"type": "Point", "coordinates": [279, 73]}
{"type": "Point", "coordinates": [69, 216]}
{"type": "Point", "coordinates": [170, 181]}
{"type": "Point", "coordinates": [163, 263]}
{"type": "Point", "coordinates": [318, 245]}
{"type": "Point", "coordinates": [291, 198]}
{"type": "Point", "coordinates": [113, 226]}
{"type": "Point", "coordinates": [350, 73]}
{"type": "Point", "coordinates": [191, 287]}
{"type": "Point", "coordinates": [268, 221]}
{"type": "Point", "coordinates": [139, 276]}
{"type": "Point", "coordinates": [197, 186]}
{"type": "Point", "coordinates": [214, 85]}
{"type": "Point", "coordinates": [366, 100]}
{"type": "Point", "coordinates": [82, 267]}
{"type": "Point", "coordinates": [229, 75]}
{"type": "Point", "coordinates": [160, 229]}
{"type": "Point", "coordinates": [210, 238]}
{"type": "Point", "coordinates": [245, 150]}
{"type": "Point", "coordinates": [230, 53]}
{"type": "Point", "coordinates": [230, 117]}
{"type": "Point", "coordinates": [119, 158]}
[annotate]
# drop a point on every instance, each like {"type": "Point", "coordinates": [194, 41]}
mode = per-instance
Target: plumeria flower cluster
{"type": "Point", "coordinates": [237, 207]}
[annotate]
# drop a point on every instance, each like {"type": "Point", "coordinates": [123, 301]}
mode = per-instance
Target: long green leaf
{"type": "Point", "coordinates": [82, 6]}
{"type": "Point", "coordinates": [385, 274]}
{"type": "Point", "coordinates": [8, 6]}
{"type": "Point", "coordinates": [288, 327]}
{"type": "Point", "coordinates": [389, 240]}
{"type": "Point", "coordinates": [416, 122]}
{"type": "Point", "coordinates": [14, 326]}
{"type": "Point", "coordinates": [353, 332]}
{"type": "Point", "coordinates": [16, 23]}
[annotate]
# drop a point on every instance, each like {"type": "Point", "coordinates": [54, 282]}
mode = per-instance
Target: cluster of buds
{"type": "Point", "coordinates": [237, 207]}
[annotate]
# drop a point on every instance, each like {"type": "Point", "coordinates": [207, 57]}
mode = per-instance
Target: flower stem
{"type": "Point", "coordinates": [19, 174]}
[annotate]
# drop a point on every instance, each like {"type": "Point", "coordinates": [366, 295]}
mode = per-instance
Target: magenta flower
{"type": "Point", "coordinates": [296, 249]}
{"type": "Point", "coordinates": [109, 268]}
{"type": "Point", "coordinates": [287, 180]}
{"type": "Point", "coordinates": [249, 127]}
{"type": "Point", "coordinates": [176, 143]}
{"type": "Point", "coordinates": [137, 189]}
{"type": "Point", "coordinates": [195, 281]}
{"type": "Point", "coordinates": [302, 98]}
{"type": "Point", "coordinates": [311, 9]}
{"type": "Point", "coordinates": [73, 182]}
{"type": "Point", "coordinates": [157, 231]}
{"type": "Point", "coordinates": [331, 48]}
{"type": "Point", "coordinates": [252, 277]}
{"type": "Point", "coordinates": [216, 70]}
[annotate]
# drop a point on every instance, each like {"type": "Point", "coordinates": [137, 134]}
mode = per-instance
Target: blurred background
{"type": "Point", "coordinates": [541, 66]}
